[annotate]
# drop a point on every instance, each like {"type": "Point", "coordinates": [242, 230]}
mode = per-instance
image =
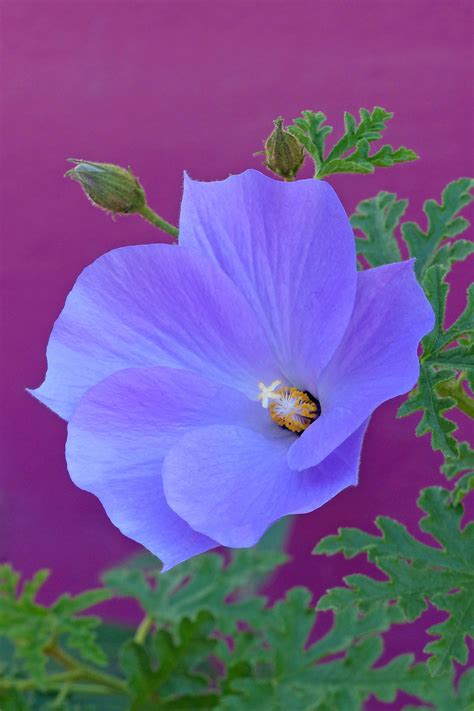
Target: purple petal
{"type": "Point", "coordinates": [153, 305]}
{"type": "Point", "coordinates": [376, 360]}
{"type": "Point", "coordinates": [289, 247]}
{"type": "Point", "coordinates": [120, 433]}
{"type": "Point", "coordinates": [231, 483]}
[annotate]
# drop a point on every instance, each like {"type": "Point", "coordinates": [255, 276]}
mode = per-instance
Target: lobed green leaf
{"type": "Point", "coordinates": [190, 587]}
{"type": "Point", "coordinates": [443, 222]}
{"type": "Point", "coordinates": [378, 219]}
{"type": "Point", "coordinates": [447, 358]}
{"type": "Point", "coordinates": [416, 574]}
{"type": "Point", "coordinates": [351, 154]}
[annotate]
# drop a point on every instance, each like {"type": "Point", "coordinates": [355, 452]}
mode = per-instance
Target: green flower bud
{"type": "Point", "coordinates": [108, 186]}
{"type": "Point", "coordinates": [284, 154]}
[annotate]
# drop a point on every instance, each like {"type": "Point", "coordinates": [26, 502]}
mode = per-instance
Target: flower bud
{"type": "Point", "coordinates": [284, 154]}
{"type": "Point", "coordinates": [108, 186]}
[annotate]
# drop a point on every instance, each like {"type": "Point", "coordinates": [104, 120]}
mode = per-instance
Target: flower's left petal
{"type": "Point", "coordinates": [120, 433]}
{"type": "Point", "coordinates": [376, 360]}
{"type": "Point", "coordinates": [231, 483]}
{"type": "Point", "coordinates": [153, 305]}
{"type": "Point", "coordinates": [290, 249]}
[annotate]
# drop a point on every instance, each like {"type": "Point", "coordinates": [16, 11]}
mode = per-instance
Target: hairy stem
{"type": "Point", "coordinates": [83, 671]}
{"type": "Point", "coordinates": [151, 216]}
{"type": "Point", "coordinates": [143, 629]}
{"type": "Point", "coordinates": [55, 682]}
{"type": "Point", "coordinates": [455, 390]}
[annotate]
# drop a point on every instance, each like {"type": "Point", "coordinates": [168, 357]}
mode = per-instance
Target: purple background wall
{"type": "Point", "coordinates": [166, 86]}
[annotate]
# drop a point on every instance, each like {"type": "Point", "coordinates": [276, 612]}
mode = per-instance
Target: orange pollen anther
{"type": "Point", "coordinates": [294, 409]}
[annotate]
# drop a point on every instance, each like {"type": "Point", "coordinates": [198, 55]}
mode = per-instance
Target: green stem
{"type": "Point", "coordinates": [455, 390]}
{"type": "Point", "coordinates": [84, 671]}
{"type": "Point", "coordinates": [158, 221]}
{"type": "Point", "coordinates": [143, 629]}
{"type": "Point", "coordinates": [54, 682]}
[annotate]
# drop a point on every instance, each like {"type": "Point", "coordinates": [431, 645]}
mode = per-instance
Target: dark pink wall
{"type": "Point", "coordinates": [166, 86]}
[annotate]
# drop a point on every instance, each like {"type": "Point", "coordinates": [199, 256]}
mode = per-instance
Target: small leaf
{"type": "Point", "coordinates": [433, 407]}
{"type": "Point", "coordinates": [378, 219]}
{"type": "Point", "coordinates": [311, 133]}
{"type": "Point", "coordinates": [173, 672]}
{"type": "Point", "coordinates": [452, 252]}
{"type": "Point", "coordinates": [443, 223]}
{"type": "Point", "coordinates": [462, 463]}
{"type": "Point", "coordinates": [351, 154]}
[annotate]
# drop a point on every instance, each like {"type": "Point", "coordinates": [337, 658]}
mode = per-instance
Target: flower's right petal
{"type": "Point", "coordinates": [153, 305]}
{"type": "Point", "coordinates": [376, 360]}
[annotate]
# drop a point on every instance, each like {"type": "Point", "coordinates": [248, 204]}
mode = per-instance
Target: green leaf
{"type": "Point", "coordinates": [202, 583]}
{"type": "Point", "coordinates": [464, 463]}
{"type": "Point", "coordinates": [351, 154]}
{"type": "Point", "coordinates": [458, 358]}
{"type": "Point", "coordinates": [181, 664]}
{"type": "Point", "coordinates": [464, 325]}
{"type": "Point", "coordinates": [370, 128]}
{"type": "Point", "coordinates": [443, 223]}
{"type": "Point", "coordinates": [437, 290]}
{"type": "Point", "coordinates": [378, 219]}
{"type": "Point", "coordinates": [452, 252]}
{"type": "Point", "coordinates": [342, 683]}
{"type": "Point", "coordinates": [462, 488]}
{"type": "Point", "coordinates": [427, 400]}
{"type": "Point", "coordinates": [169, 671]}
{"type": "Point", "coordinates": [465, 692]}
{"type": "Point", "coordinates": [453, 632]}
{"type": "Point", "coordinates": [416, 574]}
{"type": "Point", "coordinates": [438, 691]}
{"type": "Point", "coordinates": [10, 700]}
{"type": "Point", "coordinates": [311, 133]}
{"type": "Point", "coordinates": [445, 355]}
{"type": "Point", "coordinates": [289, 674]}
{"type": "Point", "coordinates": [32, 627]}
{"type": "Point", "coordinates": [340, 165]}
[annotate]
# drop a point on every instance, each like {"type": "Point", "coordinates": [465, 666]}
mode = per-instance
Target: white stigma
{"type": "Point", "coordinates": [268, 393]}
{"type": "Point", "coordinates": [287, 404]}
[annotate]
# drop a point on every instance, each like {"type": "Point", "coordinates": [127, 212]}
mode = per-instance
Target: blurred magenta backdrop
{"type": "Point", "coordinates": [165, 86]}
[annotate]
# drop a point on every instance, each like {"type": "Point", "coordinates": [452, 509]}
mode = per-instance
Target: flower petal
{"type": "Point", "coordinates": [376, 360]}
{"type": "Point", "coordinates": [153, 305]}
{"type": "Point", "coordinates": [231, 483]}
{"type": "Point", "coordinates": [290, 249]}
{"type": "Point", "coordinates": [120, 433]}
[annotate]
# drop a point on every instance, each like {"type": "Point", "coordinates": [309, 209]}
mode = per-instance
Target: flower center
{"type": "Point", "coordinates": [289, 407]}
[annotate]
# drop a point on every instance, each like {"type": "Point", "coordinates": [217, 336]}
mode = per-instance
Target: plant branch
{"type": "Point", "coordinates": [55, 682]}
{"type": "Point", "coordinates": [455, 390]}
{"type": "Point", "coordinates": [143, 629]}
{"type": "Point", "coordinates": [84, 671]}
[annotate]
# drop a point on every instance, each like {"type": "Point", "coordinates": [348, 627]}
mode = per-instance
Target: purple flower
{"type": "Point", "coordinates": [213, 388]}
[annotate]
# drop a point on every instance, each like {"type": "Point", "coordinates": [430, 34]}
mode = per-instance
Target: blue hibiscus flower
{"type": "Point", "coordinates": [217, 386]}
